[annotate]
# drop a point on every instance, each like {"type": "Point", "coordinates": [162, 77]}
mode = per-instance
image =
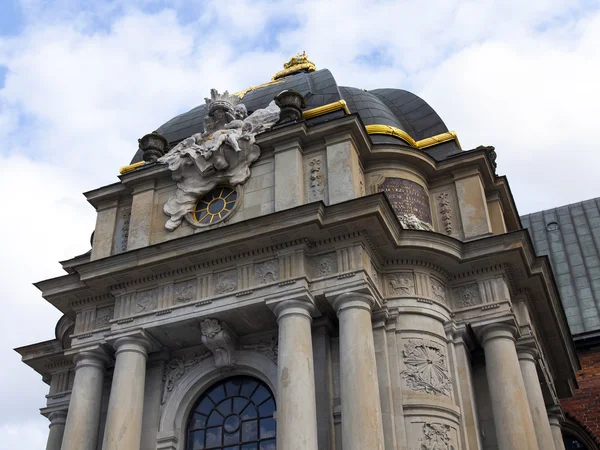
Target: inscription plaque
{"type": "Point", "coordinates": [407, 197]}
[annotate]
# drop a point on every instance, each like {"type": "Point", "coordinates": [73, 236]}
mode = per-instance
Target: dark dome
{"type": "Point", "coordinates": [394, 107]}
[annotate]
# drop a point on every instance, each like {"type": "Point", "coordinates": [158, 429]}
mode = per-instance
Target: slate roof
{"type": "Point", "coordinates": [570, 236]}
{"type": "Point", "coordinates": [395, 107]}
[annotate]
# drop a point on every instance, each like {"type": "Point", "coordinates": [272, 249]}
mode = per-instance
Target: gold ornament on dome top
{"type": "Point", "coordinates": [295, 64]}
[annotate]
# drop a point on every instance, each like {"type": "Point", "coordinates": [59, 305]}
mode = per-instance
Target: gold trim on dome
{"type": "Point", "coordinates": [423, 143]}
{"type": "Point", "coordinates": [241, 94]}
{"type": "Point", "coordinates": [391, 131]}
{"type": "Point", "coordinates": [131, 167]}
{"type": "Point", "coordinates": [295, 64]}
{"type": "Point", "coordinates": [325, 109]}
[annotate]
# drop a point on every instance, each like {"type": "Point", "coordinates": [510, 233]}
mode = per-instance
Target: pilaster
{"type": "Point", "coordinates": [289, 175]}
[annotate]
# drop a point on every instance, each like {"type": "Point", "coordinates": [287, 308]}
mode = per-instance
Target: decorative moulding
{"type": "Point", "coordinates": [426, 369]}
{"type": "Point", "coordinates": [176, 368]}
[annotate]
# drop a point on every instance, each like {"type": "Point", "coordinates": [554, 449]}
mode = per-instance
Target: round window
{"type": "Point", "coordinates": [216, 205]}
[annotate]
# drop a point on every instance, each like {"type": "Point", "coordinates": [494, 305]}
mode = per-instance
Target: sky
{"type": "Point", "coordinates": [80, 81]}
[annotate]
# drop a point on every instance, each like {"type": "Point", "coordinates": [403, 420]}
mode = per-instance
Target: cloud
{"type": "Point", "coordinates": [84, 80]}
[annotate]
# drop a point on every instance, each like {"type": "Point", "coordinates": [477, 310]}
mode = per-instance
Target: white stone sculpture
{"type": "Point", "coordinates": [221, 154]}
{"type": "Point", "coordinates": [412, 222]}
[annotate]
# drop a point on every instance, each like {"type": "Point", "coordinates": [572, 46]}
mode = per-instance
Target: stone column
{"type": "Point", "coordinates": [57, 429]}
{"type": "Point", "coordinates": [361, 406]}
{"type": "Point", "coordinates": [555, 417]}
{"type": "Point", "coordinates": [535, 397]}
{"type": "Point", "coordinates": [296, 405]}
{"type": "Point", "coordinates": [512, 417]}
{"type": "Point", "coordinates": [83, 418]}
{"type": "Point", "coordinates": [126, 403]}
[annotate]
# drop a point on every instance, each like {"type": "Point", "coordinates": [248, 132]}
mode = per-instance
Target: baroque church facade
{"type": "Point", "coordinates": [303, 266]}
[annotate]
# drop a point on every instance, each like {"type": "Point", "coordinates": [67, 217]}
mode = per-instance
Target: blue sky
{"type": "Point", "coordinates": [80, 81]}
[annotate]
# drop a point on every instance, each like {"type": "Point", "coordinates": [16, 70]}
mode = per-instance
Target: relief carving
{"type": "Point", "coordinates": [122, 230]}
{"type": "Point", "coordinates": [268, 348]}
{"type": "Point", "coordinates": [316, 180]}
{"type": "Point", "coordinates": [267, 272]}
{"type": "Point", "coordinates": [176, 368]}
{"type": "Point", "coordinates": [438, 290]}
{"type": "Point", "coordinates": [436, 436]}
{"type": "Point", "coordinates": [220, 340]}
{"type": "Point", "coordinates": [184, 291]}
{"type": "Point", "coordinates": [146, 301]}
{"type": "Point", "coordinates": [426, 369]}
{"type": "Point", "coordinates": [326, 265]}
{"type": "Point", "coordinates": [104, 316]}
{"type": "Point", "coordinates": [445, 211]}
{"type": "Point", "coordinates": [466, 296]}
{"type": "Point", "coordinates": [402, 284]}
{"type": "Point", "coordinates": [226, 282]}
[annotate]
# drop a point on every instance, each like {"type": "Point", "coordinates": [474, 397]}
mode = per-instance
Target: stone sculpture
{"type": "Point", "coordinates": [412, 222]}
{"type": "Point", "coordinates": [221, 154]}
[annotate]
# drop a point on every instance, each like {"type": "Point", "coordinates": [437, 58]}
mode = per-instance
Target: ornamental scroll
{"type": "Point", "coordinates": [407, 198]}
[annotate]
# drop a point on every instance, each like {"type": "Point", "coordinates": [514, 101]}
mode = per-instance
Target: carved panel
{"type": "Point", "coordinates": [266, 272]}
{"type": "Point", "coordinates": [465, 296]}
{"type": "Point", "coordinates": [435, 436]}
{"type": "Point", "coordinates": [226, 282]}
{"type": "Point", "coordinates": [104, 316]}
{"type": "Point", "coordinates": [426, 369]}
{"type": "Point", "coordinates": [438, 290]}
{"type": "Point", "coordinates": [122, 230]}
{"type": "Point", "coordinates": [176, 368]}
{"type": "Point", "coordinates": [146, 301]}
{"type": "Point", "coordinates": [316, 179]}
{"type": "Point", "coordinates": [268, 348]}
{"type": "Point", "coordinates": [324, 265]}
{"type": "Point", "coordinates": [185, 291]}
{"type": "Point", "coordinates": [401, 283]}
{"type": "Point", "coordinates": [445, 211]}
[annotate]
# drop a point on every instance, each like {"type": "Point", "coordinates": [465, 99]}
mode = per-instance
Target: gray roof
{"type": "Point", "coordinates": [395, 107]}
{"type": "Point", "coordinates": [570, 236]}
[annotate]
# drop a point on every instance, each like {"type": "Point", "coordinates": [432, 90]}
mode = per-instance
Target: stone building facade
{"type": "Point", "coordinates": [327, 270]}
{"type": "Point", "coordinates": [570, 237]}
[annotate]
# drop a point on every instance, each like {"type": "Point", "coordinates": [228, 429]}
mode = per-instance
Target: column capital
{"type": "Point", "coordinates": [95, 356]}
{"type": "Point", "coordinates": [498, 330]}
{"type": "Point", "coordinates": [527, 352]}
{"type": "Point", "coordinates": [58, 417]}
{"type": "Point", "coordinates": [297, 302]}
{"type": "Point", "coordinates": [556, 415]}
{"type": "Point", "coordinates": [353, 300]}
{"type": "Point", "coordinates": [138, 341]}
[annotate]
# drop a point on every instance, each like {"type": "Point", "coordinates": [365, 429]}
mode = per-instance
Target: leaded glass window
{"type": "Point", "coordinates": [234, 414]}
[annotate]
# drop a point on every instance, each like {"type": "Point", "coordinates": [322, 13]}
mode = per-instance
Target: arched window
{"type": "Point", "coordinates": [234, 414]}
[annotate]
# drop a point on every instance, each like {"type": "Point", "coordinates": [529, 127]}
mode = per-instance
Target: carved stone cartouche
{"type": "Point", "coordinates": [221, 154]}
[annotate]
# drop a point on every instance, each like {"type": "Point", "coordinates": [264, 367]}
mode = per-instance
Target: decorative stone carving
{"type": "Point", "coordinates": [220, 340]}
{"type": "Point", "coordinates": [325, 265]}
{"type": "Point", "coordinates": [438, 290]}
{"type": "Point", "coordinates": [412, 222]}
{"type": "Point", "coordinates": [104, 316]}
{"type": "Point", "coordinates": [122, 230]}
{"type": "Point", "coordinates": [268, 348]}
{"type": "Point", "coordinates": [267, 272]}
{"type": "Point", "coordinates": [226, 282]}
{"type": "Point", "coordinates": [221, 154]}
{"type": "Point", "coordinates": [402, 284]}
{"type": "Point", "coordinates": [175, 369]}
{"type": "Point", "coordinates": [316, 179]}
{"type": "Point", "coordinates": [291, 104]}
{"type": "Point", "coordinates": [184, 291]}
{"type": "Point", "coordinates": [445, 211]}
{"type": "Point", "coordinates": [153, 146]}
{"type": "Point", "coordinates": [466, 296]}
{"type": "Point", "coordinates": [426, 369]}
{"type": "Point", "coordinates": [436, 436]}
{"type": "Point", "coordinates": [146, 301]}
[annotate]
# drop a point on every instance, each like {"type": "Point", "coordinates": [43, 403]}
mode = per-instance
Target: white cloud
{"type": "Point", "coordinates": [518, 75]}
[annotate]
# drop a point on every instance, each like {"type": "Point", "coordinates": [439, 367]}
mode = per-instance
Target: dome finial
{"type": "Point", "coordinates": [296, 64]}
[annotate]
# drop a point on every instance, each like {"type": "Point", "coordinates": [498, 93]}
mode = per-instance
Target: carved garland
{"type": "Point", "coordinates": [445, 211]}
{"type": "Point", "coordinates": [426, 369]}
{"type": "Point", "coordinates": [176, 368]}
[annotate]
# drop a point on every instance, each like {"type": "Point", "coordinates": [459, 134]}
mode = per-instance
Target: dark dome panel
{"type": "Point", "coordinates": [420, 118]}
